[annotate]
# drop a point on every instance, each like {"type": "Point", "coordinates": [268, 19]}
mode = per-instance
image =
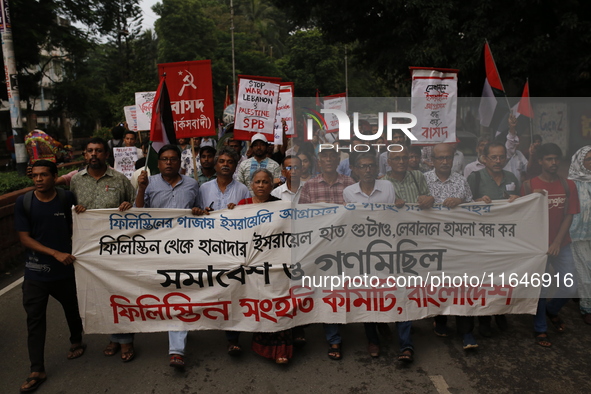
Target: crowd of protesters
{"type": "Point", "coordinates": [204, 176]}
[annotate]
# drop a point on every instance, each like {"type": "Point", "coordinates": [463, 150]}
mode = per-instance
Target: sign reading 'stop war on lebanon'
{"type": "Point", "coordinates": [434, 103]}
{"type": "Point", "coordinates": [191, 97]}
{"type": "Point", "coordinates": [256, 106]}
{"type": "Point", "coordinates": [272, 266]}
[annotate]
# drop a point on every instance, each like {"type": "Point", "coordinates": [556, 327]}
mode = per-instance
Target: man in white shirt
{"type": "Point", "coordinates": [368, 189]}
{"type": "Point", "coordinates": [291, 169]}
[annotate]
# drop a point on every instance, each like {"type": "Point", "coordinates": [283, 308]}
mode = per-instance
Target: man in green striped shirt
{"type": "Point", "coordinates": [410, 186]}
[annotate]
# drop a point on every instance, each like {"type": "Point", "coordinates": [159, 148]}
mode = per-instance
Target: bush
{"type": "Point", "coordinates": [11, 181]}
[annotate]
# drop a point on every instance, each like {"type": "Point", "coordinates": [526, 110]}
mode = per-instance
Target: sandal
{"type": "Point", "coordinates": [299, 342]}
{"type": "Point", "coordinates": [129, 354]}
{"type": "Point", "coordinates": [282, 360]}
{"type": "Point", "coordinates": [37, 382]}
{"type": "Point", "coordinates": [177, 361]}
{"type": "Point", "coordinates": [234, 349]}
{"type": "Point", "coordinates": [407, 356]}
{"type": "Point", "coordinates": [542, 339]}
{"type": "Point", "coordinates": [334, 353]}
{"type": "Point", "coordinates": [374, 350]}
{"type": "Point", "coordinates": [76, 351]}
{"type": "Point", "coordinates": [111, 349]}
{"type": "Point", "coordinates": [557, 322]}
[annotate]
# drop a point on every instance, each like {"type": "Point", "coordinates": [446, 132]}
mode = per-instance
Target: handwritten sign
{"type": "Point", "coordinates": [434, 103]}
{"type": "Point", "coordinates": [338, 102]}
{"type": "Point", "coordinates": [125, 159]}
{"type": "Point", "coordinates": [268, 267]}
{"type": "Point", "coordinates": [131, 117]}
{"type": "Point", "coordinates": [144, 101]}
{"type": "Point", "coordinates": [284, 123]}
{"type": "Point", "coordinates": [256, 106]}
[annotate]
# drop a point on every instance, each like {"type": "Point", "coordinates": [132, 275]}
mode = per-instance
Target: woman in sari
{"type": "Point", "coordinates": [276, 346]}
{"type": "Point", "coordinates": [580, 229]}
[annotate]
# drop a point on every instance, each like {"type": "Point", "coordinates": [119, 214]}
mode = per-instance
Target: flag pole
{"type": "Point", "coordinates": [531, 119]}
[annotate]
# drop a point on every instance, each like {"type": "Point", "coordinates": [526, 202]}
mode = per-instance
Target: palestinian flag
{"type": "Point", "coordinates": [162, 127]}
{"type": "Point", "coordinates": [493, 90]}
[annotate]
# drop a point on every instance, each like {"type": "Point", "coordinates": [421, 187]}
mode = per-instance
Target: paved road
{"type": "Point", "coordinates": [510, 362]}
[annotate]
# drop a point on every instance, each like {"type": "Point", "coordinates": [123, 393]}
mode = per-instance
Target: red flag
{"type": "Point", "coordinates": [162, 127]}
{"type": "Point", "coordinates": [524, 107]}
{"type": "Point", "coordinates": [317, 99]}
{"type": "Point", "coordinates": [228, 100]}
{"type": "Point", "coordinates": [492, 74]}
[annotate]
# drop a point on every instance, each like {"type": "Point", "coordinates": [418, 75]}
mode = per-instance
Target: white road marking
{"type": "Point", "coordinates": [11, 286]}
{"type": "Point", "coordinates": [440, 384]}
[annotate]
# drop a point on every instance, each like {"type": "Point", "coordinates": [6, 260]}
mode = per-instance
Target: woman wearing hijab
{"type": "Point", "coordinates": [580, 230]}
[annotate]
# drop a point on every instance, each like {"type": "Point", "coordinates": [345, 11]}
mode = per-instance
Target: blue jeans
{"type": "Point", "coordinates": [331, 331]}
{"type": "Point", "coordinates": [177, 340]}
{"type": "Point", "coordinates": [404, 337]}
{"type": "Point", "coordinates": [563, 264]}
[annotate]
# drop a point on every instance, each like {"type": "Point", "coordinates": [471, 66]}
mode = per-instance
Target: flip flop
{"type": "Point", "coordinates": [128, 355]}
{"type": "Point", "coordinates": [73, 349]}
{"type": "Point", "coordinates": [557, 322]}
{"type": "Point", "coordinates": [38, 382]}
{"type": "Point", "coordinates": [542, 339]}
{"type": "Point", "coordinates": [234, 349]}
{"type": "Point", "coordinates": [407, 356]}
{"type": "Point", "coordinates": [177, 361]}
{"type": "Point", "coordinates": [111, 349]}
{"type": "Point", "coordinates": [334, 353]}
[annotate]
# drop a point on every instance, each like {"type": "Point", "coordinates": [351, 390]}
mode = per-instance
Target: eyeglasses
{"type": "Point", "coordinates": [365, 167]}
{"type": "Point", "coordinates": [169, 159]}
{"type": "Point", "coordinates": [444, 158]}
{"type": "Point", "coordinates": [497, 158]}
{"type": "Point", "coordinates": [398, 158]}
{"type": "Point", "coordinates": [289, 168]}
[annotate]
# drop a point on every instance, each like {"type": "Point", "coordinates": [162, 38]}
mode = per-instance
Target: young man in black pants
{"type": "Point", "coordinates": [43, 219]}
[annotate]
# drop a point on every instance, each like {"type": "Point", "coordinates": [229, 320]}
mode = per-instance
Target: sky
{"type": "Point", "coordinates": [149, 16]}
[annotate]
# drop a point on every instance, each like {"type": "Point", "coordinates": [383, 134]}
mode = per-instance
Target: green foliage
{"type": "Point", "coordinates": [104, 133]}
{"type": "Point", "coordinates": [184, 31]}
{"type": "Point", "coordinates": [546, 41]}
{"type": "Point", "coordinates": [11, 181]}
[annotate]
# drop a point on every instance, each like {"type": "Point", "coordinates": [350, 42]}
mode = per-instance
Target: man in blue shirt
{"type": "Point", "coordinates": [169, 189]}
{"type": "Point", "coordinates": [43, 219]}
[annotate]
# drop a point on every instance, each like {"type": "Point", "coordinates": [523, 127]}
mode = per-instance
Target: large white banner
{"type": "Point", "coordinates": [268, 267]}
{"type": "Point", "coordinates": [434, 103]}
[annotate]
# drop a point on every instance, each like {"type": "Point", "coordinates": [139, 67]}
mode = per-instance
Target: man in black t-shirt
{"type": "Point", "coordinates": [43, 220]}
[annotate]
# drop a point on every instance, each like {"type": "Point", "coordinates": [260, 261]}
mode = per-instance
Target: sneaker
{"type": "Point", "coordinates": [469, 342]}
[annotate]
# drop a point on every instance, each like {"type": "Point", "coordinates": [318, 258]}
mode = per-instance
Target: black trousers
{"type": "Point", "coordinates": [464, 324]}
{"type": "Point", "coordinates": [35, 297]}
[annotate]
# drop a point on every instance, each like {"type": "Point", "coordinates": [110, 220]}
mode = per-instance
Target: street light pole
{"type": "Point", "coordinates": [14, 99]}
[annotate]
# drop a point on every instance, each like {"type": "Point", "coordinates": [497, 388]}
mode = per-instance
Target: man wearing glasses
{"type": "Point", "coordinates": [410, 186]}
{"type": "Point", "coordinates": [291, 170]}
{"type": "Point", "coordinates": [169, 189]}
{"type": "Point", "coordinates": [450, 189]}
{"type": "Point", "coordinates": [493, 183]}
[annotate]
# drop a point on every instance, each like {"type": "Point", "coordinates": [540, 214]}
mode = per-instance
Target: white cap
{"type": "Point", "coordinates": [259, 137]}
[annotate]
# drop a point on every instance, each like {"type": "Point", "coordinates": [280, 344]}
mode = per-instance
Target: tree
{"type": "Point", "coordinates": [546, 40]}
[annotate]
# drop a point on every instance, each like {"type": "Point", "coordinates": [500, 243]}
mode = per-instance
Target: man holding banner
{"type": "Point", "coordinates": [169, 189]}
